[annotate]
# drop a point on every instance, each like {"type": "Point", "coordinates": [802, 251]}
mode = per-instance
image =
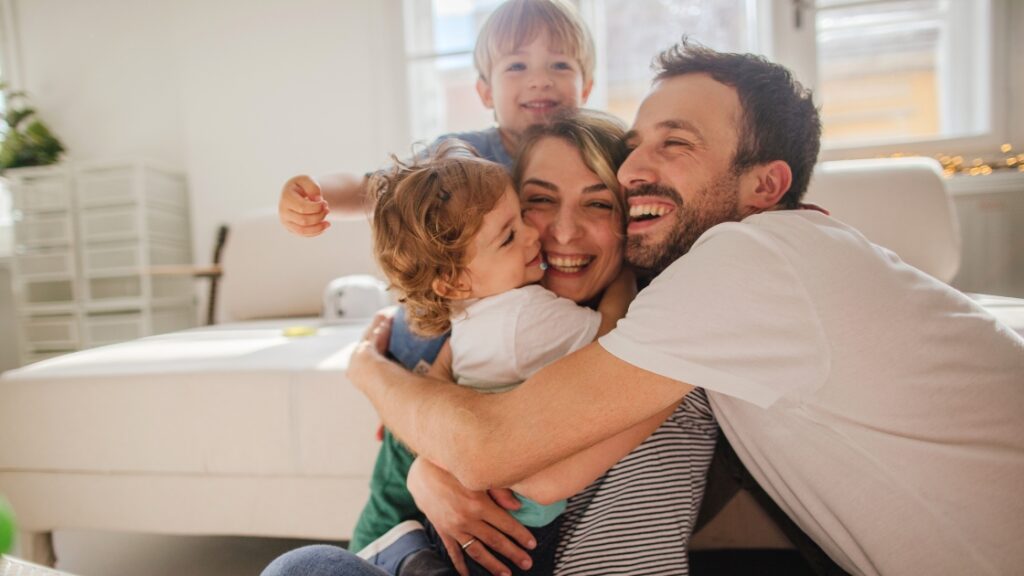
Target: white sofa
{"type": "Point", "coordinates": [238, 429]}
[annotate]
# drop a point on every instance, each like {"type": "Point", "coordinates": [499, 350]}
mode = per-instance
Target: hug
{"type": "Point", "coordinates": [593, 314]}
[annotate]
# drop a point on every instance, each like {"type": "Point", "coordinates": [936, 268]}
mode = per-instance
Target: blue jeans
{"type": "Point", "coordinates": [320, 560]}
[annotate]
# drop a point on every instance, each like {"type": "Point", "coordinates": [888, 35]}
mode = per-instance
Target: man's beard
{"type": "Point", "coordinates": [715, 203]}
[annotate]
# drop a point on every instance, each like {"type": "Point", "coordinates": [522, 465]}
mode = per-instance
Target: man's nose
{"type": "Point", "coordinates": [637, 169]}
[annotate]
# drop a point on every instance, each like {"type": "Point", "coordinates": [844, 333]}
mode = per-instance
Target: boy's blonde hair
{"type": "Point", "coordinates": [518, 22]}
{"type": "Point", "coordinates": [426, 216]}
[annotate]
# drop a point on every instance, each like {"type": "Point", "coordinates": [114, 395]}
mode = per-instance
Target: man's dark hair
{"type": "Point", "coordinates": [779, 120]}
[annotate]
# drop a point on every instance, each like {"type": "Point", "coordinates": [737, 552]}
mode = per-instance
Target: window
{"type": "Point", "coordinates": [885, 72]}
{"type": "Point", "coordinates": [902, 70]}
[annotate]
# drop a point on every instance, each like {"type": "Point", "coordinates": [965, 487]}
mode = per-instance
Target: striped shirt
{"type": "Point", "coordinates": [639, 516]}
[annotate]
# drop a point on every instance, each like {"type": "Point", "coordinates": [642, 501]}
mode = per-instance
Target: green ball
{"type": "Point", "coordinates": [6, 526]}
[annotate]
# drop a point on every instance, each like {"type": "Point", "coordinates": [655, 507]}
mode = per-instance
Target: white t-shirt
{"type": "Point", "coordinates": [881, 409]}
{"type": "Point", "coordinates": [499, 341]}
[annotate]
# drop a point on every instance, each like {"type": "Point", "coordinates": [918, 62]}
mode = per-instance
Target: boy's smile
{"type": "Point", "coordinates": [529, 85]}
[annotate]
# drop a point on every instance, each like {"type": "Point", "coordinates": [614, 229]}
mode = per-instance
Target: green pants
{"type": "Point", "coordinates": [390, 501]}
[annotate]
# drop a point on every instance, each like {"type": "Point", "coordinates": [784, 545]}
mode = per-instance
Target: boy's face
{"type": "Point", "coordinates": [505, 253]}
{"type": "Point", "coordinates": [528, 86]}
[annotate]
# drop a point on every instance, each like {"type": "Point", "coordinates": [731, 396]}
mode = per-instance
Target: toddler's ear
{"type": "Point", "coordinates": [483, 88]}
{"type": "Point", "coordinates": [460, 290]}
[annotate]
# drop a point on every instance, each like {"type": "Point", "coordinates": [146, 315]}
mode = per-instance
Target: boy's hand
{"type": "Point", "coordinates": [460, 516]}
{"type": "Point", "coordinates": [302, 207]}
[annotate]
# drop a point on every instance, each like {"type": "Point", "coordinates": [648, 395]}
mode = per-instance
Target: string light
{"type": "Point", "coordinates": [979, 166]}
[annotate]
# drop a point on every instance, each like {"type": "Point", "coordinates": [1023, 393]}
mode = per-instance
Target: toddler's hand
{"type": "Point", "coordinates": [302, 207]}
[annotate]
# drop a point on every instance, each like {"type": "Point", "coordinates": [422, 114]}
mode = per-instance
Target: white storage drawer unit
{"type": "Point", "coordinates": [43, 229]}
{"type": "Point", "coordinates": [46, 263]}
{"type": "Point", "coordinates": [130, 257]}
{"type": "Point", "coordinates": [86, 236]}
{"type": "Point", "coordinates": [50, 333]}
{"type": "Point", "coordinates": [42, 189]}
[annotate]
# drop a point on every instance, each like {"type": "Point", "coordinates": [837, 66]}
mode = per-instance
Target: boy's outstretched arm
{"type": "Point", "coordinates": [306, 202]}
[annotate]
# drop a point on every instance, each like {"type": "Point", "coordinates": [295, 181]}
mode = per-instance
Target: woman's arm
{"type": "Point", "coordinates": [572, 475]}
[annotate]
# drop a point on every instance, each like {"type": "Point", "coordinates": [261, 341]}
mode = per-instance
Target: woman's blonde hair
{"type": "Point", "coordinates": [516, 23]}
{"type": "Point", "coordinates": [426, 216]}
{"type": "Point", "coordinates": [598, 137]}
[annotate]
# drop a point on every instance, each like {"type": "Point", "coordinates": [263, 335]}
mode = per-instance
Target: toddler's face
{"type": "Point", "coordinates": [529, 85]}
{"type": "Point", "coordinates": [505, 253]}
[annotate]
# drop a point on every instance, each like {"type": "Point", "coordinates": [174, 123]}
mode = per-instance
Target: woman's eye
{"type": "Point", "coordinates": [675, 143]}
{"type": "Point", "coordinates": [511, 237]}
{"type": "Point", "coordinates": [601, 205]}
{"type": "Point", "coordinates": [539, 200]}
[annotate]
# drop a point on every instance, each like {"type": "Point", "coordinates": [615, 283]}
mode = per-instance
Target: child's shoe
{"type": "Point", "coordinates": [392, 549]}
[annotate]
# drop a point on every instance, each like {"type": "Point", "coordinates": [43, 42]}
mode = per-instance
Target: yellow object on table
{"type": "Point", "coordinates": [299, 331]}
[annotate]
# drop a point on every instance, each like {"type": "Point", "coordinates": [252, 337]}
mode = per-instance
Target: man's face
{"type": "Point", "coordinates": [678, 176]}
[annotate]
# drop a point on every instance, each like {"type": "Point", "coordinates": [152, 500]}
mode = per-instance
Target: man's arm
{"type": "Point", "coordinates": [500, 439]}
{"type": "Point", "coordinates": [572, 475]}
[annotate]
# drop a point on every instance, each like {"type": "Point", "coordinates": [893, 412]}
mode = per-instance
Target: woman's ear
{"type": "Point", "coordinates": [764, 185]}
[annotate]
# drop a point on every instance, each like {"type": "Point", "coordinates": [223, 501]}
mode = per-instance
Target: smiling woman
{"type": "Point", "coordinates": [569, 191]}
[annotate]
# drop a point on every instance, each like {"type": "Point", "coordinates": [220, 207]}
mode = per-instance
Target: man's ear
{"type": "Point", "coordinates": [458, 290]}
{"type": "Point", "coordinates": [764, 185]}
{"type": "Point", "coordinates": [586, 92]}
{"type": "Point", "coordinates": [483, 89]}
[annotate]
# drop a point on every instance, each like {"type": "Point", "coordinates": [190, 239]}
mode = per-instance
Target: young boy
{"type": "Point", "coordinates": [534, 58]}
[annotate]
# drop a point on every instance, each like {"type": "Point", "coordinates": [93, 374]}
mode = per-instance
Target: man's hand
{"type": "Point", "coordinates": [302, 207]}
{"type": "Point", "coordinates": [461, 516]}
{"type": "Point", "coordinates": [373, 346]}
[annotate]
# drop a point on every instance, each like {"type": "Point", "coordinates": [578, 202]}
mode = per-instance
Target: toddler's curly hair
{"type": "Point", "coordinates": [427, 213]}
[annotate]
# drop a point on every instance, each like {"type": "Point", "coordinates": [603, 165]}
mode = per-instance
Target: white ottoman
{"type": "Point", "coordinates": [232, 430]}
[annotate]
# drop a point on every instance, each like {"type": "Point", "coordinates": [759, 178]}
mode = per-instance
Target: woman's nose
{"type": "Point", "coordinates": [566, 227]}
{"type": "Point", "coordinates": [637, 169]}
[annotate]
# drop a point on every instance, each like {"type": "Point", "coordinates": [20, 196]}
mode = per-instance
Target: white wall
{"type": "Point", "coordinates": [240, 94]}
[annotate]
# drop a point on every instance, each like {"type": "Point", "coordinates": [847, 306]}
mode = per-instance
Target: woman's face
{"type": "Point", "coordinates": [581, 230]}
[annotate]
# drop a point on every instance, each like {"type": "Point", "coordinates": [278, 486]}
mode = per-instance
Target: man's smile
{"type": "Point", "coordinates": [647, 211]}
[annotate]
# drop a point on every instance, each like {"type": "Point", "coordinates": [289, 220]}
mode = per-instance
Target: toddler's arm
{"type": "Point", "coordinates": [616, 299]}
{"type": "Point", "coordinates": [572, 475]}
{"type": "Point", "coordinates": [305, 202]}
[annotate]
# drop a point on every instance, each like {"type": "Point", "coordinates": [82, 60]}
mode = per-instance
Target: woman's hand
{"type": "Point", "coordinates": [461, 516]}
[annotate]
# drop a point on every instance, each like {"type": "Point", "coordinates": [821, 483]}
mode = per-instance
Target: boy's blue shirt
{"type": "Point", "coordinates": [487, 143]}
